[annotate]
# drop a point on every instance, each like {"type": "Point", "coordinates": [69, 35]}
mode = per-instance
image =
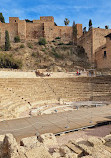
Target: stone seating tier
{"type": "Point", "coordinates": [20, 94]}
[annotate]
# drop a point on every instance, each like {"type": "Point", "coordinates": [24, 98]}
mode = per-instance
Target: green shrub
{"type": "Point", "coordinates": [35, 54]}
{"type": "Point", "coordinates": [7, 41]}
{"type": "Point", "coordinates": [22, 46]}
{"type": "Point", "coordinates": [80, 51]}
{"type": "Point", "coordinates": [53, 41]}
{"type": "Point", "coordinates": [16, 39]}
{"type": "Point", "coordinates": [69, 43]}
{"type": "Point", "coordinates": [57, 55]}
{"type": "Point", "coordinates": [2, 48]}
{"type": "Point", "coordinates": [58, 38]}
{"type": "Point", "coordinates": [61, 43]}
{"type": "Point", "coordinates": [65, 48]}
{"type": "Point", "coordinates": [30, 45]}
{"type": "Point", "coordinates": [2, 18]}
{"type": "Point", "coordinates": [43, 49]}
{"type": "Point", "coordinates": [42, 41]}
{"type": "Point", "coordinates": [7, 61]}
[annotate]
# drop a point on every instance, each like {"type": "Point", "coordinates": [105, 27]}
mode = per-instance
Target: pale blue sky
{"type": "Point", "coordinates": [78, 10]}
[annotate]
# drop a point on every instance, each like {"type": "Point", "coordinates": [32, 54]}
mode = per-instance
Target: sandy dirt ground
{"type": "Point", "coordinates": [84, 134]}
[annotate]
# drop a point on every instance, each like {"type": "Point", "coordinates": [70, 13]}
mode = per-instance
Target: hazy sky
{"type": "Point", "coordinates": [78, 10]}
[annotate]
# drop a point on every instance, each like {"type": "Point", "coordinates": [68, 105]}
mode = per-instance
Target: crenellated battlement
{"type": "Point", "coordinates": [44, 27]}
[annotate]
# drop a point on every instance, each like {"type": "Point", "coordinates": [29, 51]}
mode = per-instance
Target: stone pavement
{"type": "Point", "coordinates": [55, 123]}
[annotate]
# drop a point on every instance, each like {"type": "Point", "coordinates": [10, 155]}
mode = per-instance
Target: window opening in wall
{"type": "Point", "coordinates": [105, 54]}
{"type": "Point", "coordinates": [15, 20]}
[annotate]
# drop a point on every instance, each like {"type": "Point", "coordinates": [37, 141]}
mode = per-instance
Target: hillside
{"type": "Point", "coordinates": [54, 56]}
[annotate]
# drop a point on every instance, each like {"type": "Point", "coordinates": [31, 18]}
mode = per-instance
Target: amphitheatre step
{"type": "Point", "coordinates": [14, 92]}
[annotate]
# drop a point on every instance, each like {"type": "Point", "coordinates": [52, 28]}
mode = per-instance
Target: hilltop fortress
{"type": "Point", "coordinates": [45, 27]}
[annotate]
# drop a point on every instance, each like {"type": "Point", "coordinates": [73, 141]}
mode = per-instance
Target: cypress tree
{"type": "Point", "coordinates": [7, 41]}
{"type": "Point", "coordinates": [84, 30]}
{"type": "Point", "coordinates": [74, 32]}
{"type": "Point", "coordinates": [2, 18]}
{"type": "Point", "coordinates": [90, 24]}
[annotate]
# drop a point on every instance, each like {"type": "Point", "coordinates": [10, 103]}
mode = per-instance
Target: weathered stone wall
{"type": "Point", "coordinates": [48, 30]}
{"type": "Point", "coordinates": [12, 28]}
{"type": "Point", "coordinates": [34, 30]}
{"type": "Point", "coordinates": [22, 29]}
{"type": "Point", "coordinates": [79, 30]}
{"type": "Point", "coordinates": [38, 28]}
{"type": "Point", "coordinates": [99, 37]}
{"type": "Point", "coordinates": [13, 20]}
{"type": "Point", "coordinates": [65, 32]}
{"type": "Point", "coordinates": [47, 19]}
{"type": "Point", "coordinates": [101, 60]}
{"type": "Point", "coordinates": [86, 41]}
{"type": "Point", "coordinates": [92, 40]}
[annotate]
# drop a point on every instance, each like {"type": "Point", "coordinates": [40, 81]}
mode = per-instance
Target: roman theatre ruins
{"type": "Point", "coordinates": [63, 101]}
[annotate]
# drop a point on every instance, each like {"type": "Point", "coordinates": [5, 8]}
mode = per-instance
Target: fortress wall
{"type": "Point", "coordinates": [99, 37]}
{"type": "Point", "coordinates": [48, 30]}
{"type": "Point", "coordinates": [79, 30]}
{"type": "Point", "coordinates": [47, 19]}
{"type": "Point", "coordinates": [12, 28]}
{"type": "Point", "coordinates": [38, 28]}
{"type": "Point", "coordinates": [22, 29]}
{"type": "Point", "coordinates": [65, 32]}
{"type": "Point", "coordinates": [86, 42]}
{"type": "Point", "coordinates": [13, 19]}
{"type": "Point", "coordinates": [37, 21]}
{"type": "Point", "coordinates": [92, 40]}
{"type": "Point", "coordinates": [101, 60]}
{"type": "Point", "coordinates": [34, 30]}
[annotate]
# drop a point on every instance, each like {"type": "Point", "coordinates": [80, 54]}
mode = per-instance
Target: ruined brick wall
{"type": "Point", "coordinates": [86, 42]}
{"type": "Point", "coordinates": [101, 60]}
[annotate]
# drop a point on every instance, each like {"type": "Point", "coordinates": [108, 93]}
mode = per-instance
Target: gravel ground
{"type": "Point", "coordinates": [84, 134]}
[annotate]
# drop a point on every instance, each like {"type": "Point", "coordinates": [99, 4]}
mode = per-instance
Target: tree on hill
{"type": "Point", "coordinates": [66, 21]}
{"type": "Point", "coordinates": [2, 18]}
{"type": "Point", "coordinates": [90, 24]}
{"type": "Point", "coordinates": [55, 24]}
{"type": "Point", "coordinates": [27, 20]}
{"type": "Point", "coordinates": [84, 30]}
{"type": "Point", "coordinates": [7, 41]}
{"type": "Point", "coordinates": [74, 32]}
{"type": "Point", "coordinates": [106, 27]}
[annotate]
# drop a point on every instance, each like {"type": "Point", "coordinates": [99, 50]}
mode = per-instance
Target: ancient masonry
{"type": "Point", "coordinates": [37, 28]}
{"type": "Point", "coordinates": [45, 27]}
{"type": "Point", "coordinates": [92, 40]}
{"type": "Point", "coordinates": [46, 146]}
